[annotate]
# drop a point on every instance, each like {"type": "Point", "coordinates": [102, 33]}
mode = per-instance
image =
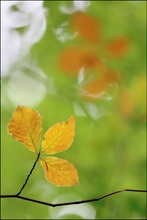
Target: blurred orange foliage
{"type": "Point", "coordinates": [118, 47]}
{"type": "Point", "coordinates": [72, 59]}
{"type": "Point", "coordinates": [132, 100]}
{"type": "Point", "coordinates": [101, 83]}
{"type": "Point", "coordinates": [126, 103]}
{"type": "Point", "coordinates": [87, 26]}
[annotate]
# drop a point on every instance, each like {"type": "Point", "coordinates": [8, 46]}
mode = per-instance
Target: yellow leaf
{"type": "Point", "coordinates": [59, 172]}
{"type": "Point", "coordinates": [59, 137]}
{"type": "Point", "coordinates": [25, 126]}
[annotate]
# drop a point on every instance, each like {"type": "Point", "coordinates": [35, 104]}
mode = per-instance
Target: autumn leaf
{"type": "Point", "coordinates": [26, 127]}
{"type": "Point", "coordinates": [73, 58]}
{"type": "Point", "coordinates": [87, 26]}
{"type": "Point", "coordinates": [59, 172]}
{"type": "Point", "coordinates": [101, 83]}
{"type": "Point", "coordinates": [118, 47]}
{"type": "Point", "coordinates": [59, 137]}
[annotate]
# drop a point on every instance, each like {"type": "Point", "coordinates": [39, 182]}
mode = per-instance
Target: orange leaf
{"type": "Point", "coordinates": [25, 126]}
{"type": "Point", "coordinates": [72, 59]}
{"type": "Point", "coordinates": [102, 83]}
{"type": "Point", "coordinates": [87, 26]}
{"type": "Point", "coordinates": [118, 47]}
{"type": "Point", "coordinates": [59, 137]}
{"type": "Point", "coordinates": [59, 172]}
{"type": "Point", "coordinates": [96, 86]}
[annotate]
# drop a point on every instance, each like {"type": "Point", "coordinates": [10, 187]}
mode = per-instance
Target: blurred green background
{"type": "Point", "coordinates": [109, 149]}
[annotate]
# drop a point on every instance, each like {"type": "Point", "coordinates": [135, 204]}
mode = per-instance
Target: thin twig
{"type": "Point", "coordinates": [71, 203]}
{"type": "Point", "coordinates": [29, 174]}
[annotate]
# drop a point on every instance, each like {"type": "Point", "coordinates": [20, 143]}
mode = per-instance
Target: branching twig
{"type": "Point", "coordinates": [18, 196]}
{"type": "Point", "coordinates": [28, 175]}
{"type": "Point", "coordinates": [71, 203]}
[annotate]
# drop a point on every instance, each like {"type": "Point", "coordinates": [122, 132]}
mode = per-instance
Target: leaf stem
{"type": "Point", "coordinates": [71, 203]}
{"type": "Point", "coordinates": [31, 171]}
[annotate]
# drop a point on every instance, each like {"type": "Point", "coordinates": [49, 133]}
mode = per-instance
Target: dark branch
{"type": "Point", "coordinates": [71, 203]}
{"type": "Point", "coordinates": [29, 175]}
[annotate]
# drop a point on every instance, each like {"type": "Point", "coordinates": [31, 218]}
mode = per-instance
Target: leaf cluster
{"type": "Point", "coordinates": [25, 126]}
